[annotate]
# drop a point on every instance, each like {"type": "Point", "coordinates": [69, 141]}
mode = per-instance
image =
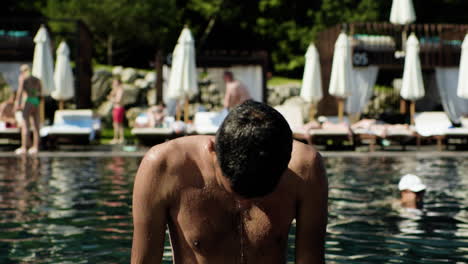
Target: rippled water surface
{"type": "Point", "coordinates": [77, 210]}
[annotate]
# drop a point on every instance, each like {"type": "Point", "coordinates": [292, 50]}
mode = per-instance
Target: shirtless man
{"type": "Point", "coordinates": [118, 111]}
{"type": "Point", "coordinates": [236, 92]}
{"type": "Point", "coordinates": [232, 198]}
{"type": "Point", "coordinates": [31, 86]}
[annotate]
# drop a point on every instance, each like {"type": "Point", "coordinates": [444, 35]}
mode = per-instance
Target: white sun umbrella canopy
{"type": "Point", "coordinates": [63, 75]}
{"type": "Point", "coordinates": [412, 84]}
{"type": "Point", "coordinates": [43, 66]}
{"type": "Point", "coordinates": [342, 82]}
{"type": "Point", "coordinates": [412, 87]}
{"type": "Point", "coordinates": [462, 90]}
{"type": "Point", "coordinates": [311, 90]}
{"type": "Point", "coordinates": [183, 77]}
{"type": "Point", "coordinates": [402, 12]}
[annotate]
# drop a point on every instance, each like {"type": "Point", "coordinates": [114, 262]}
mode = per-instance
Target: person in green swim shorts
{"type": "Point", "coordinates": [31, 87]}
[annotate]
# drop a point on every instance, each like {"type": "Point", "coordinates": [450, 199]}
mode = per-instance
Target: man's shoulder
{"type": "Point", "coordinates": [305, 160]}
{"type": "Point", "coordinates": [175, 152]}
{"type": "Point", "coordinates": [304, 153]}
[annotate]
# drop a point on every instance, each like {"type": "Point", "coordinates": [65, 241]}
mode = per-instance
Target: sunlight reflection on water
{"type": "Point", "coordinates": [78, 210]}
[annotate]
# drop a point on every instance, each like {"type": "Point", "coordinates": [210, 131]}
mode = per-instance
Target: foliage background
{"type": "Point", "coordinates": [129, 32]}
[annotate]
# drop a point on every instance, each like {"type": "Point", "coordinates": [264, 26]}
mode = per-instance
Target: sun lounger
{"type": "Point", "coordinates": [294, 117]}
{"type": "Point", "coordinates": [150, 136]}
{"type": "Point", "coordinates": [331, 137]}
{"type": "Point", "coordinates": [207, 123]}
{"type": "Point", "coordinates": [9, 135]}
{"type": "Point", "coordinates": [432, 125]}
{"type": "Point", "coordinates": [373, 132]}
{"type": "Point", "coordinates": [72, 126]}
{"type": "Point", "coordinates": [333, 134]}
{"type": "Point", "coordinates": [457, 136]}
{"type": "Point", "coordinates": [399, 133]}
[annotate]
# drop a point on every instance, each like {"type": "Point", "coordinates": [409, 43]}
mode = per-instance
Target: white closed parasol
{"type": "Point", "coordinates": [342, 82]}
{"type": "Point", "coordinates": [183, 79]}
{"type": "Point", "coordinates": [311, 90]}
{"type": "Point", "coordinates": [412, 87]}
{"type": "Point", "coordinates": [63, 76]}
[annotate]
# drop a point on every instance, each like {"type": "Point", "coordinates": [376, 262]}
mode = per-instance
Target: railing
{"type": "Point", "coordinates": [382, 43]}
{"type": "Point", "coordinates": [440, 44]}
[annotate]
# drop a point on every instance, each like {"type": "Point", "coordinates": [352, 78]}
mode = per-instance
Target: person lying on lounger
{"type": "Point", "coordinates": [232, 198]}
{"type": "Point", "coordinates": [7, 113]}
{"type": "Point", "coordinates": [378, 128]}
{"type": "Point", "coordinates": [156, 115]}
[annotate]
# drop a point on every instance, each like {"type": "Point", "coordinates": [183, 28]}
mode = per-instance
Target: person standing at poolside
{"type": "Point", "coordinates": [118, 111]}
{"type": "Point", "coordinates": [31, 86]}
{"type": "Point", "coordinates": [232, 198]}
{"type": "Point", "coordinates": [236, 92]}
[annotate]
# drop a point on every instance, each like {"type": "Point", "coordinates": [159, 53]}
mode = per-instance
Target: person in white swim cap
{"type": "Point", "coordinates": [411, 191]}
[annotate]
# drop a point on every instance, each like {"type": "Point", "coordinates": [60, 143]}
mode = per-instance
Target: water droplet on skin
{"type": "Point", "coordinates": [196, 244]}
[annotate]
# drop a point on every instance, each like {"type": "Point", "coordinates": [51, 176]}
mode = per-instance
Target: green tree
{"type": "Point", "coordinates": [291, 26]}
{"type": "Point", "coordinates": [119, 26]}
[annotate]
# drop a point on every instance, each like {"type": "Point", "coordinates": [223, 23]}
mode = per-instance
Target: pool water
{"type": "Point", "coordinates": [78, 210]}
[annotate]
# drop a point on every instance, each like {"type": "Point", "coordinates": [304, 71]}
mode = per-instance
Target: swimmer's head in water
{"type": "Point", "coordinates": [253, 147]}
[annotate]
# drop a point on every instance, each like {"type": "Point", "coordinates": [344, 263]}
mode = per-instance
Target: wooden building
{"type": "Point", "coordinates": [381, 44]}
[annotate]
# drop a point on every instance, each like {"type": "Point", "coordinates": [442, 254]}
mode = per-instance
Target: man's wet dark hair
{"type": "Point", "coordinates": [253, 147]}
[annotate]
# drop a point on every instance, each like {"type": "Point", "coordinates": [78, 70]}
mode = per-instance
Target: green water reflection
{"type": "Point", "coordinates": [78, 210]}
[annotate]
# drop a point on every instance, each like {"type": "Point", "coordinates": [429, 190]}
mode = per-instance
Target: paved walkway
{"type": "Point", "coordinates": [132, 151]}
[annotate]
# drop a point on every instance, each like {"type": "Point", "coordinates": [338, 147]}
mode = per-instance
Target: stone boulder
{"type": "Point", "coordinates": [105, 110]}
{"type": "Point", "coordinates": [151, 96]}
{"type": "Point", "coordinates": [141, 83]}
{"type": "Point", "coordinates": [130, 96]}
{"type": "Point", "coordinates": [117, 70]}
{"type": "Point", "coordinates": [273, 98]}
{"type": "Point", "coordinates": [129, 75]}
{"type": "Point", "coordinates": [150, 77]}
{"type": "Point", "coordinates": [101, 86]}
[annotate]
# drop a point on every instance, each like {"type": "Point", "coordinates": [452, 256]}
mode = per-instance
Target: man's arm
{"type": "Point", "coordinates": [149, 209]}
{"type": "Point", "coordinates": [19, 95]}
{"type": "Point", "coordinates": [311, 218]}
{"type": "Point", "coordinates": [227, 97]}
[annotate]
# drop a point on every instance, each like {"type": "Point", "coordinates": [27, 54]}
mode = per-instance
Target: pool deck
{"type": "Point", "coordinates": [131, 151]}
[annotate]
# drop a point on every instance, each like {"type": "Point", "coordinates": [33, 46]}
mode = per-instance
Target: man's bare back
{"type": "Point", "coordinates": [236, 93]}
{"type": "Point", "coordinates": [178, 184]}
